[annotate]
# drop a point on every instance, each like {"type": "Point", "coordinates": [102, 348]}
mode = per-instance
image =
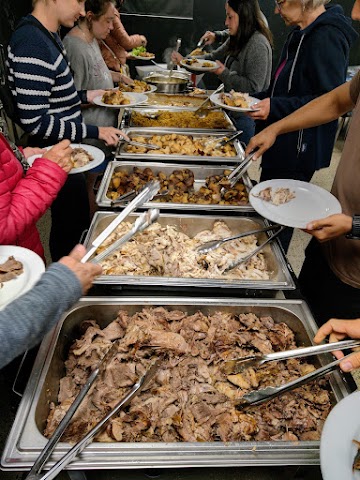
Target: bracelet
{"type": "Point", "coordinates": [355, 230]}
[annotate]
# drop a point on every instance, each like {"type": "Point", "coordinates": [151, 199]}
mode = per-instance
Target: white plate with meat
{"type": "Point", "coordinates": [337, 449]}
{"type": "Point", "coordinates": [20, 268]}
{"type": "Point", "coordinates": [127, 99]}
{"type": "Point", "coordinates": [84, 157]}
{"type": "Point", "coordinates": [198, 65]}
{"type": "Point", "coordinates": [226, 101]}
{"type": "Point", "coordinates": [292, 203]}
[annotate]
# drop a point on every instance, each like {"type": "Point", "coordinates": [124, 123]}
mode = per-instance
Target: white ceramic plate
{"type": "Point", "coordinates": [136, 57]}
{"type": "Point", "coordinates": [216, 98]}
{"type": "Point", "coordinates": [199, 66]}
{"type": "Point", "coordinates": [135, 99]}
{"type": "Point", "coordinates": [98, 155]}
{"type": "Point", "coordinates": [153, 89]}
{"type": "Point", "coordinates": [337, 450]}
{"type": "Point", "coordinates": [33, 267]}
{"type": "Point", "coordinates": [310, 203]}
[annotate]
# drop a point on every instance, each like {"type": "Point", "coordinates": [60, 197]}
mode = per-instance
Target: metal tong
{"type": "Point", "coordinates": [79, 447]}
{"type": "Point", "coordinates": [149, 146]}
{"type": "Point", "coordinates": [213, 244]}
{"type": "Point", "coordinates": [150, 189]}
{"type": "Point", "coordinates": [223, 142]}
{"type": "Point", "coordinates": [201, 106]}
{"type": "Point", "coordinates": [141, 223]}
{"type": "Point", "coordinates": [254, 252]}
{"type": "Point", "coordinates": [238, 172]}
{"type": "Point", "coordinates": [172, 64]}
{"type": "Point", "coordinates": [236, 365]}
{"type": "Point", "coordinates": [257, 397]}
{"type": "Point", "coordinates": [129, 196]}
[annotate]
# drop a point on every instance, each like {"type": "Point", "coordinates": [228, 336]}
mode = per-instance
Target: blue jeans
{"type": "Point", "coordinates": [246, 124]}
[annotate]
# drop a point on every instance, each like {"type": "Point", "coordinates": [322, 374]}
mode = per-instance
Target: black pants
{"type": "Point", "coordinates": [272, 174]}
{"type": "Point", "coordinates": [327, 296]}
{"type": "Point", "coordinates": [70, 216]}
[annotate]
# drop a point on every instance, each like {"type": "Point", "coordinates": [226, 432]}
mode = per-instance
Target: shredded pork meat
{"type": "Point", "coordinates": [167, 251]}
{"type": "Point", "coordinates": [191, 398]}
{"type": "Point", "coordinates": [277, 196]}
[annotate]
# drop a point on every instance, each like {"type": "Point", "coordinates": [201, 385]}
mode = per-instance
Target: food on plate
{"type": "Point", "coordinates": [179, 186]}
{"type": "Point", "coordinates": [235, 99]}
{"type": "Point", "coordinates": [208, 64]}
{"type": "Point", "coordinates": [197, 52]}
{"type": "Point", "coordinates": [137, 87]}
{"type": "Point", "coordinates": [115, 97]}
{"type": "Point", "coordinates": [356, 462]}
{"type": "Point", "coordinates": [190, 399]}
{"type": "Point", "coordinates": [190, 61]}
{"type": "Point", "coordinates": [174, 144]}
{"type": "Point", "coordinates": [212, 120]}
{"type": "Point", "coordinates": [141, 52]}
{"type": "Point", "coordinates": [10, 270]}
{"type": "Point", "coordinates": [80, 157]}
{"type": "Point", "coordinates": [167, 251]}
{"type": "Point", "coordinates": [279, 196]}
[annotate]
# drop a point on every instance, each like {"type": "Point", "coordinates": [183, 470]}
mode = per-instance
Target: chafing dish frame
{"type": "Point", "coordinates": [195, 100]}
{"type": "Point", "coordinates": [127, 120]}
{"type": "Point", "coordinates": [193, 224]}
{"type": "Point", "coordinates": [145, 132]}
{"type": "Point", "coordinates": [200, 173]}
{"type": "Point", "coordinates": [26, 441]}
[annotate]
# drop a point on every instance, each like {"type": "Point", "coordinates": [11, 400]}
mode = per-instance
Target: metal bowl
{"type": "Point", "coordinates": [176, 83]}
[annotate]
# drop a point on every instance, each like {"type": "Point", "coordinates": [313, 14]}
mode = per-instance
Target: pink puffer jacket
{"type": "Point", "coordinates": [24, 199]}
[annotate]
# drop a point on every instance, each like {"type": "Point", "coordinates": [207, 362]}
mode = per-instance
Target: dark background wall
{"type": "Point", "coordinates": [208, 15]}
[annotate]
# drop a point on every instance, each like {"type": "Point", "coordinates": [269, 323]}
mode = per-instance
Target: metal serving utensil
{"type": "Point", "coordinates": [254, 252]}
{"type": "Point", "coordinates": [149, 146]}
{"type": "Point", "coordinates": [141, 223]}
{"type": "Point", "coordinates": [172, 65]}
{"type": "Point", "coordinates": [34, 473]}
{"type": "Point", "coordinates": [257, 397]}
{"type": "Point", "coordinates": [200, 107]}
{"type": "Point", "coordinates": [237, 365]}
{"type": "Point", "coordinates": [237, 173]}
{"type": "Point", "coordinates": [150, 189]}
{"type": "Point", "coordinates": [213, 244]}
{"type": "Point", "coordinates": [129, 196]}
{"type": "Point", "coordinates": [223, 142]}
{"type": "Point", "coordinates": [79, 447]}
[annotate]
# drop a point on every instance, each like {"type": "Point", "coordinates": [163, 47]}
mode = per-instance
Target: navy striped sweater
{"type": "Point", "coordinates": [43, 87]}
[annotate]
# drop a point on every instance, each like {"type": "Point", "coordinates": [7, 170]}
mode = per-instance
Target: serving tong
{"type": "Point", "coordinates": [237, 173]}
{"type": "Point", "coordinates": [149, 146]}
{"type": "Point", "coordinates": [142, 382]}
{"type": "Point", "coordinates": [257, 397]}
{"type": "Point", "coordinates": [146, 194]}
{"type": "Point", "coordinates": [226, 140]}
{"type": "Point", "coordinates": [129, 196]}
{"type": "Point", "coordinates": [201, 106]}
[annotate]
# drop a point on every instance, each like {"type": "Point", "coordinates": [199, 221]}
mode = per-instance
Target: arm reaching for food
{"type": "Point", "coordinates": [337, 330]}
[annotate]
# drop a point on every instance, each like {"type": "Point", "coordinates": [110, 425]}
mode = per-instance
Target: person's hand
{"type": "Point", "coordinates": [330, 227]}
{"type": "Point", "coordinates": [262, 141]}
{"type": "Point", "coordinates": [30, 151]}
{"type": "Point", "coordinates": [85, 272]}
{"type": "Point", "coordinates": [262, 110]}
{"type": "Point", "coordinates": [119, 77]}
{"type": "Point", "coordinates": [219, 70]}
{"type": "Point", "coordinates": [338, 330]}
{"type": "Point", "coordinates": [176, 57]}
{"type": "Point", "coordinates": [208, 38]}
{"type": "Point", "coordinates": [143, 40]}
{"type": "Point", "coordinates": [60, 154]}
{"type": "Point", "coordinates": [111, 135]}
{"type": "Point", "coordinates": [91, 94]}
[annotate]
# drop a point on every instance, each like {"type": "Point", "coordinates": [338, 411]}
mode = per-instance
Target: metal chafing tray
{"type": "Point", "coordinates": [26, 440]}
{"type": "Point", "coordinates": [280, 278]}
{"type": "Point", "coordinates": [146, 132]}
{"type": "Point", "coordinates": [128, 121]}
{"type": "Point", "coordinates": [200, 173]}
{"type": "Point", "coordinates": [161, 101]}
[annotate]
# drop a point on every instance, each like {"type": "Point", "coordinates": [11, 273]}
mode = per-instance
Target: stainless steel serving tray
{"type": "Point", "coordinates": [26, 440]}
{"type": "Point", "coordinates": [200, 173]}
{"type": "Point", "coordinates": [280, 278]}
{"type": "Point", "coordinates": [160, 101]}
{"type": "Point", "coordinates": [128, 122]}
{"type": "Point", "coordinates": [147, 132]}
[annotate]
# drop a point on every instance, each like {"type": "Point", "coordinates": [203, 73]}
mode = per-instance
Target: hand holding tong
{"type": "Point", "coordinates": [141, 223]}
{"type": "Point", "coordinates": [79, 447]}
{"type": "Point", "coordinates": [237, 365]}
{"type": "Point", "coordinates": [150, 189]}
{"type": "Point", "coordinates": [213, 244]}
{"type": "Point", "coordinates": [257, 397]}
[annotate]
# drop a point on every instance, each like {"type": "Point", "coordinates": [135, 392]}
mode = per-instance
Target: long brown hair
{"type": "Point", "coordinates": [250, 21]}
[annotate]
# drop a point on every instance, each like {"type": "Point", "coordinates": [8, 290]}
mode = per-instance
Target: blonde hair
{"type": "Point", "coordinates": [313, 4]}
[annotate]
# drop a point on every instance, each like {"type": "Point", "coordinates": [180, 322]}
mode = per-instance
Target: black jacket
{"type": "Point", "coordinates": [316, 62]}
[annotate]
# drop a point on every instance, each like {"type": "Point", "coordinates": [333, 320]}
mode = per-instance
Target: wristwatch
{"type": "Point", "coordinates": [355, 230]}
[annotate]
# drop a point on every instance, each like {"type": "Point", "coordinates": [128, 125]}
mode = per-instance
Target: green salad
{"type": "Point", "coordinates": [138, 51]}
